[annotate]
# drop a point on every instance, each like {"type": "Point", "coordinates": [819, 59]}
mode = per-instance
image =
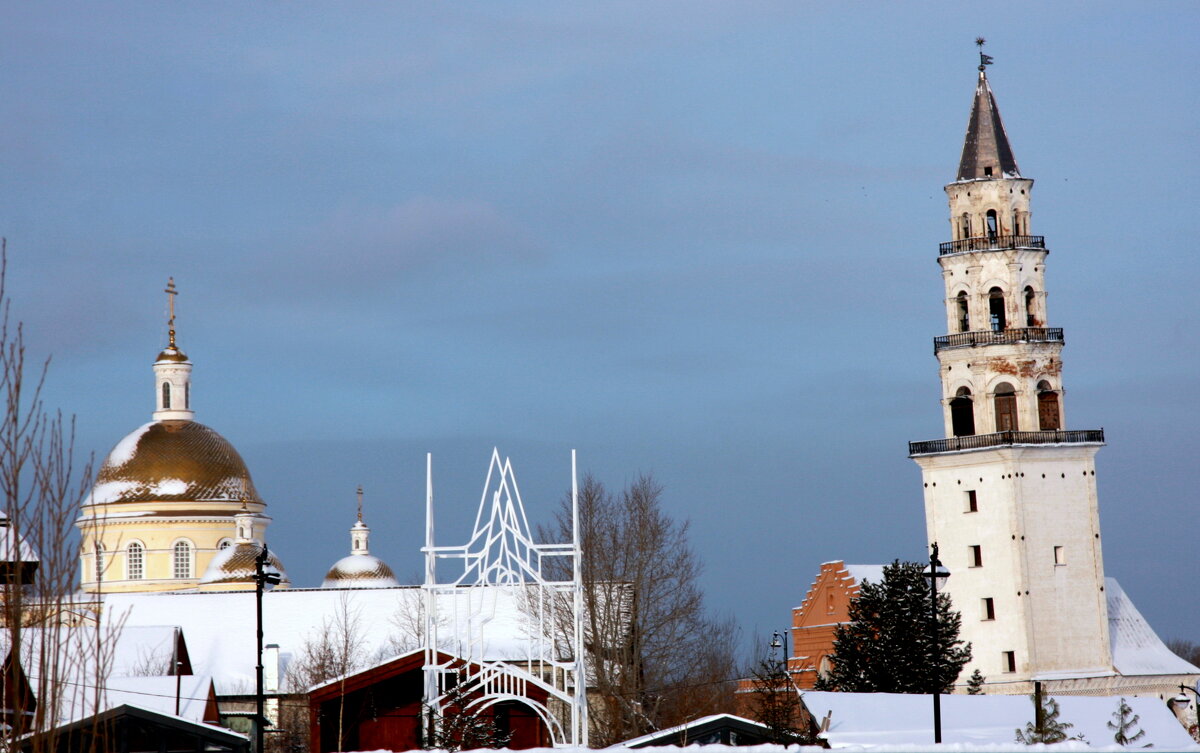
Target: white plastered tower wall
{"type": "Point", "coordinates": [1010, 494]}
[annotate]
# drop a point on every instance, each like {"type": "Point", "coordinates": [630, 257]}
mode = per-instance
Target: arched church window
{"type": "Point", "coordinates": [1006, 407]}
{"type": "Point", "coordinates": [182, 559]}
{"type": "Point", "coordinates": [135, 561]}
{"type": "Point", "coordinates": [225, 544]}
{"type": "Point", "coordinates": [992, 228]}
{"type": "Point", "coordinates": [962, 414]}
{"type": "Point", "coordinates": [98, 556]}
{"type": "Point", "coordinates": [964, 226]}
{"type": "Point", "coordinates": [166, 396]}
{"type": "Point", "coordinates": [1049, 415]}
{"type": "Point", "coordinates": [964, 313]}
{"type": "Point", "coordinates": [1030, 318]}
{"type": "Point", "coordinates": [996, 309]}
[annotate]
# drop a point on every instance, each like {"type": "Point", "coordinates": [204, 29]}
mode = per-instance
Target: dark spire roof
{"type": "Point", "coordinates": [986, 145]}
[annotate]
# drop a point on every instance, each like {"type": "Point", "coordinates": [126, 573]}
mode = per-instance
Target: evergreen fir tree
{"type": "Point", "coordinates": [886, 646]}
{"type": "Point", "coordinates": [1052, 730]}
{"type": "Point", "coordinates": [1123, 725]}
{"type": "Point", "coordinates": [455, 728]}
{"type": "Point", "coordinates": [975, 683]}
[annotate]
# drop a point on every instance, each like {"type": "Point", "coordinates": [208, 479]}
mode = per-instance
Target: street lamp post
{"type": "Point", "coordinates": [935, 573]}
{"type": "Point", "coordinates": [261, 578]}
{"type": "Point", "coordinates": [1183, 700]}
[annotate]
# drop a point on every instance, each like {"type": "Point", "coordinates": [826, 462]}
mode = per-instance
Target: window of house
{"type": "Point", "coordinates": [972, 501]}
{"type": "Point", "coordinates": [1060, 556]}
{"type": "Point", "coordinates": [182, 559]}
{"type": "Point", "coordinates": [135, 561]}
{"type": "Point", "coordinates": [975, 555]}
{"type": "Point", "coordinates": [989, 608]}
{"type": "Point", "coordinates": [1009, 661]}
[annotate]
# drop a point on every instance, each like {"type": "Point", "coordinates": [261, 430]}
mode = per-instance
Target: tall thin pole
{"type": "Point", "coordinates": [581, 721]}
{"type": "Point", "coordinates": [934, 564]}
{"type": "Point", "coordinates": [259, 700]}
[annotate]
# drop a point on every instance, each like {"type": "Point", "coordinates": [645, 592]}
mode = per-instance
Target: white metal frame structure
{"type": "Point", "coordinates": [501, 564]}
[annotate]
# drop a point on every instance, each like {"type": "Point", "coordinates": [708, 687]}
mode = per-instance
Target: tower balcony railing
{"type": "Point", "coordinates": [1006, 439]}
{"type": "Point", "coordinates": [998, 337]}
{"type": "Point", "coordinates": [988, 243]}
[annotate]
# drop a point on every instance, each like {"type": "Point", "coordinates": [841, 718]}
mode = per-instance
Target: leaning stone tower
{"type": "Point", "coordinates": [1010, 492]}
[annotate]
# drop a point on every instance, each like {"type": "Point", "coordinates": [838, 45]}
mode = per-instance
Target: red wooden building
{"type": "Point", "coordinates": [380, 709]}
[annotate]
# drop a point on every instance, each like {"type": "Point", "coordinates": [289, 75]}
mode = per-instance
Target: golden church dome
{"type": "Point", "coordinates": [165, 461]}
{"type": "Point", "coordinates": [236, 565]}
{"type": "Point", "coordinates": [171, 353]}
{"type": "Point", "coordinates": [360, 571]}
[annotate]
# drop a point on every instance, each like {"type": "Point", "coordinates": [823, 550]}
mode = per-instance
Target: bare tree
{"type": "Point", "coordinates": [42, 490]}
{"type": "Point", "coordinates": [334, 651]}
{"type": "Point", "coordinates": [656, 658]}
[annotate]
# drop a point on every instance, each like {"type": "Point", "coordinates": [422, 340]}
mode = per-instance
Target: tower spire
{"type": "Point", "coordinates": [359, 532]}
{"type": "Point", "coordinates": [171, 293]}
{"type": "Point", "coordinates": [360, 503]}
{"type": "Point", "coordinates": [986, 152]}
{"type": "Point", "coordinates": [172, 371]}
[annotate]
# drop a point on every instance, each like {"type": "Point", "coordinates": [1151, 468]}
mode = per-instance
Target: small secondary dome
{"type": "Point", "coordinates": [173, 461]}
{"type": "Point", "coordinates": [360, 571]}
{"type": "Point", "coordinates": [235, 565]}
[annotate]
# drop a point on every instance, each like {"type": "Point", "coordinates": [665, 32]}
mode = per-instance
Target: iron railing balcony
{"type": "Point", "coordinates": [1006, 439]}
{"type": "Point", "coordinates": [988, 243]}
{"type": "Point", "coordinates": [998, 337]}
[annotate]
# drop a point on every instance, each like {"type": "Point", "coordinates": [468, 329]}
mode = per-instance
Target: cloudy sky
{"type": "Point", "coordinates": [696, 239]}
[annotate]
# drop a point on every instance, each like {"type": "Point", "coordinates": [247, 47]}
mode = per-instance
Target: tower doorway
{"type": "Point", "coordinates": [1049, 415]}
{"type": "Point", "coordinates": [996, 309]}
{"type": "Point", "coordinates": [962, 414]}
{"type": "Point", "coordinates": [1006, 407]}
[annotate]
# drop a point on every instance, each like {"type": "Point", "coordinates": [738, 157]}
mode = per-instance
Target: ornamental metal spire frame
{"type": "Point", "coordinates": [501, 568]}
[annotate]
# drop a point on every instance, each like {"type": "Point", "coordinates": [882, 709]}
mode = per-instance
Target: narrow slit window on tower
{"type": "Point", "coordinates": [972, 501]}
{"type": "Point", "coordinates": [1030, 318]}
{"type": "Point", "coordinates": [187, 396]}
{"type": "Point", "coordinates": [166, 396]}
{"type": "Point", "coordinates": [989, 609]}
{"type": "Point", "coordinates": [992, 228]}
{"type": "Point", "coordinates": [964, 313]}
{"type": "Point", "coordinates": [996, 309]}
{"type": "Point", "coordinates": [1009, 659]}
{"type": "Point", "coordinates": [962, 413]}
{"type": "Point", "coordinates": [1006, 407]}
{"type": "Point", "coordinates": [1060, 556]}
{"type": "Point", "coordinates": [975, 555]}
{"type": "Point", "coordinates": [987, 171]}
{"type": "Point", "coordinates": [98, 554]}
{"type": "Point", "coordinates": [964, 226]}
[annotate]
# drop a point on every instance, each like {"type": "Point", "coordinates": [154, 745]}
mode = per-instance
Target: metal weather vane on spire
{"type": "Point", "coordinates": [171, 293]}
{"type": "Point", "coordinates": [984, 60]}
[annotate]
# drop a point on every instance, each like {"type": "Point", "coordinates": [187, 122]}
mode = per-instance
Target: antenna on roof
{"type": "Point", "coordinates": [171, 293]}
{"type": "Point", "coordinates": [984, 60]}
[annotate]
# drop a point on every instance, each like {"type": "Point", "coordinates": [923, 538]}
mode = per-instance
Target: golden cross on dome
{"type": "Point", "coordinates": [360, 503]}
{"type": "Point", "coordinates": [171, 293]}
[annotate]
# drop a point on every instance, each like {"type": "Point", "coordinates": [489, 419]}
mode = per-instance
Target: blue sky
{"type": "Point", "coordinates": [695, 239]}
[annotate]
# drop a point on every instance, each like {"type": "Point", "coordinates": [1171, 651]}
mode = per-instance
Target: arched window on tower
{"type": "Point", "coordinates": [166, 396]}
{"type": "Point", "coordinates": [996, 309]}
{"type": "Point", "coordinates": [962, 413]}
{"type": "Point", "coordinates": [98, 556]}
{"type": "Point", "coordinates": [964, 313]}
{"type": "Point", "coordinates": [187, 396]}
{"type": "Point", "coordinates": [964, 226]}
{"type": "Point", "coordinates": [181, 554]}
{"type": "Point", "coordinates": [1031, 320]}
{"type": "Point", "coordinates": [135, 561]}
{"type": "Point", "coordinates": [992, 229]}
{"type": "Point", "coordinates": [1006, 407]}
{"type": "Point", "coordinates": [1049, 415]}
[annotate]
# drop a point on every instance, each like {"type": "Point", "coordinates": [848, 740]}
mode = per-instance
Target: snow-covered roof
{"type": "Point", "coordinates": [1136, 648]}
{"type": "Point", "coordinates": [861, 573]}
{"type": "Point", "coordinates": [870, 719]}
{"type": "Point", "coordinates": [633, 743]}
{"type": "Point", "coordinates": [219, 626]}
{"type": "Point", "coordinates": [359, 571]}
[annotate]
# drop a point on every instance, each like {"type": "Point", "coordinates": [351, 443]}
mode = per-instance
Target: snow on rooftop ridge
{"type": "Point", "coordinates": [1136, 648]}
{"type": "Point", "coordinates": [124, 450]}
{"type": "Point", "coordinates": [866, 573]}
